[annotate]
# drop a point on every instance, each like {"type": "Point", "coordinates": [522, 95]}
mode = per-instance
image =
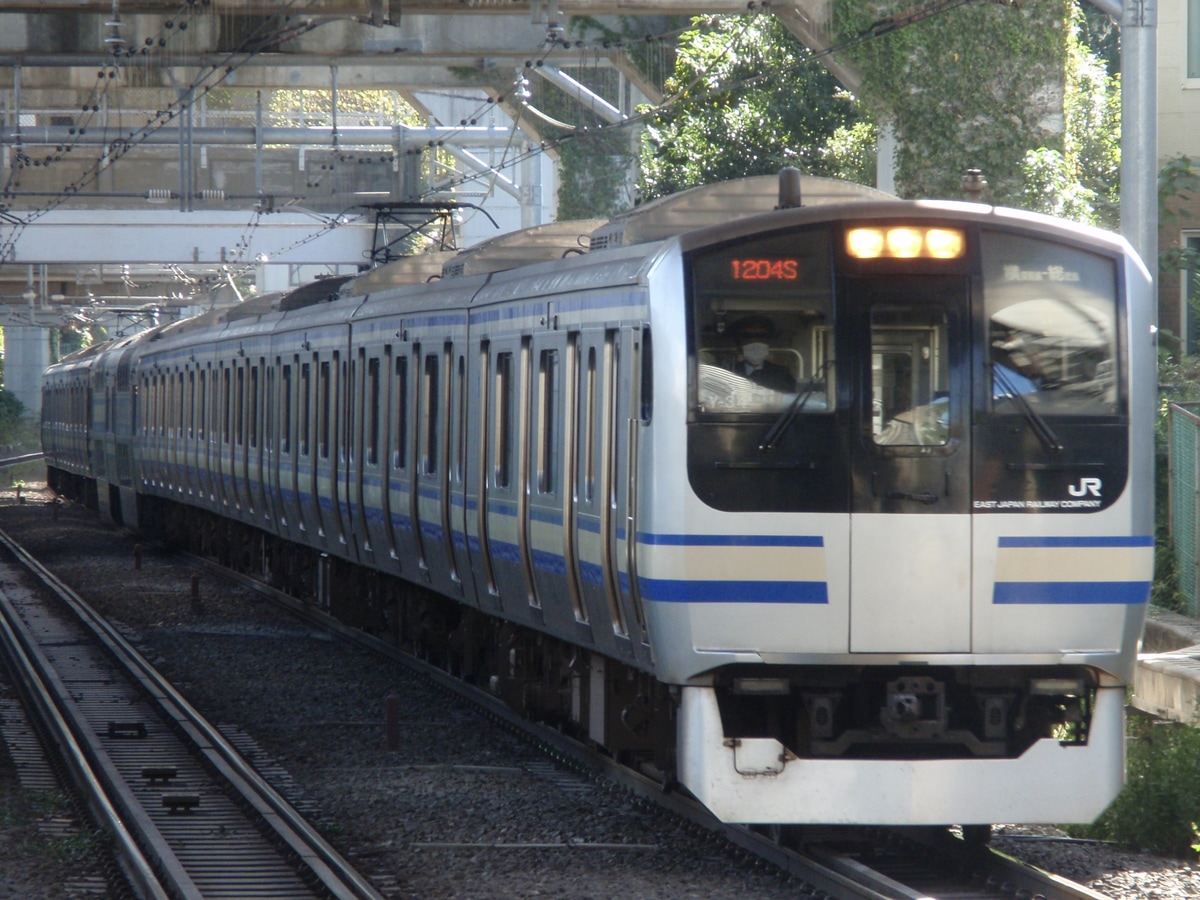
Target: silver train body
{"type": "Point", "coordinates": [907, 585]}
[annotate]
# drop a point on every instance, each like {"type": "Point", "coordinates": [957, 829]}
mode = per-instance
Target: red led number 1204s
{"type": "Point", "coordinates": [764, 269]}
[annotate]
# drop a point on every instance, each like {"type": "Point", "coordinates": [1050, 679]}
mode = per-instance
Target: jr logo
{"type": "Point", "coordinates": [1086, 486]}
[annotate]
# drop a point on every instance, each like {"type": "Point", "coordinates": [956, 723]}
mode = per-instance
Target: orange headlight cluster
{"type": "Point", "coordinates": [905, 242]}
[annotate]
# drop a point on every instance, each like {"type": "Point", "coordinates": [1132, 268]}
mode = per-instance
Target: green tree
{"type": "Point", "coordinates": [749, 103]}
{"type": "Point", "coordinates": [1082, 180]}
{"type": "Point", "coordinates": [11, 412]}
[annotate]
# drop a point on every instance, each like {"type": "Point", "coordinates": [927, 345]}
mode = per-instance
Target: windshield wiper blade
{"type": "Point", "coordinates": [1040, 426]}
{"type": "Point", "coordinates": [789, 415]}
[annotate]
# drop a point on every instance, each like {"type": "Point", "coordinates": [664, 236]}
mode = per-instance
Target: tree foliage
{"type": "Point", "coordinates": [11, 412]}
{"type": "Point", "coordinates": [1082, 180]}
{"type": "Point", "coordinates": [750, 102]}
{"type": "Point", "coordinates": [976, 87]}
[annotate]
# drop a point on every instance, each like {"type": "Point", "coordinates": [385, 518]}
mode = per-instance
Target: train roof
{"type": "Point", "coordinates": [718, 204]}
{"type": "Point", "coordinates": [407, 270]}
{"type": "Point", "coordinates": [522, 248]}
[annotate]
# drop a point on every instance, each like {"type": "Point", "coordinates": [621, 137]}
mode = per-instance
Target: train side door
{"type": "Point", "coordinates": [910, 531]}
{"type": "Point", "coordinates": [435, 438]}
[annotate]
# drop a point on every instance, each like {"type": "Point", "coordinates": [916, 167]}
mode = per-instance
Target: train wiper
{"type": "Point", "coordinates": [1039, 425]}
{"type": "Point", "coordinates": [789, 415]}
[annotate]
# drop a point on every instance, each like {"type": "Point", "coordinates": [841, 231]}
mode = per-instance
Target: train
{"type": "Point", "coordinates": [821, 505]}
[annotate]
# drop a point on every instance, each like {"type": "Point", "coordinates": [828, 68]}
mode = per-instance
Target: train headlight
{"type": "Point", "coordinates": [944, 243]}
{"type": "Point", "coordinates": [865, 243]}
{"type": "Point", "coordinates": [905, 242]}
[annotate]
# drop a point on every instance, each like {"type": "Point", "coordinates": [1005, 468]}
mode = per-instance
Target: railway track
{"type": "Point", "coordinates": [187, 816]}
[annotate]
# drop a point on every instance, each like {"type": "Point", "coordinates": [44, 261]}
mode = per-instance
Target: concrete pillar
{"type": "Point", "coordinates": [26, 355]}
{"type": "Point", "coordinates": [885, 157]}
{"type": "Point", "coordinates": [1139, 129]}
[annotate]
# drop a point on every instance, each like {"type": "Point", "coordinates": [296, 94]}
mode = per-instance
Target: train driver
{"type": "Point", "coordinates": [753, 335]}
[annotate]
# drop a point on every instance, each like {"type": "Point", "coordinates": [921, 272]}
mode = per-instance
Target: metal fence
{"type": "Point", "coordinates": [1183, 451]}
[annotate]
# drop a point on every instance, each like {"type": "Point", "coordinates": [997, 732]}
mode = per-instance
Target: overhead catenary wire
{"type": "Point", "coordinates": [257, 42]}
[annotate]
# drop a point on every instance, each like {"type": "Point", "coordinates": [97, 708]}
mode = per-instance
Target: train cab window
{"type": "Point", "coordinates": [765, 415]}
{"type": "Point", "coordinates": [762, 326]}
{"type": "Point", "coordinates": [910, 396]}
{"type": "Point", "coordinates": [1051, 318]}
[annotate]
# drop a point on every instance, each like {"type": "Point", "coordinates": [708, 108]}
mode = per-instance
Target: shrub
{"type": "Point", "coordinates": [1160, 804]}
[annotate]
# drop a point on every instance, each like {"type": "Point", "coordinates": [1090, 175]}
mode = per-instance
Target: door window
{"type": "Point", "coordinates": [910, 399]}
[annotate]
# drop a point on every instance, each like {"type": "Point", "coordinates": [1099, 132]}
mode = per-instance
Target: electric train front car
{"type": "Point", "coordinates": [909, 586]}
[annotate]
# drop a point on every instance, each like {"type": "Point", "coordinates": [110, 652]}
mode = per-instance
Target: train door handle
{"type": "Point", "coordinates": [926, 497]}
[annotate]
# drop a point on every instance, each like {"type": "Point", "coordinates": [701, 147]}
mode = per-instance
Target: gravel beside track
{"type": "Point", "coordinates": [463, 809]}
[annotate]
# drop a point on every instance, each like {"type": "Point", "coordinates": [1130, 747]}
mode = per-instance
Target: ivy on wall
{"type": "Point", "coordinates": [976, 87]}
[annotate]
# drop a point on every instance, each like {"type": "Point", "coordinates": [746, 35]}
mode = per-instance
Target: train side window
{"type": "Point", "coordinates": [226, 403]}
{"type": "Point", "coordinates": [647, 380]}
{"type": "Point", "coordinates": [502, 438]}
{"type": "Point", "coordinates": [460, 451]}
{"type": "Point", "coordinates": [591, 387]}
{"type": "Point", "coordinates": [305, 407]}
{"type": "Point", "coordinates": [548, 394]}
{"type": "Point", "coordinates": [285, 435]}
{"type": "Point", "coordinates": [373, 411]}
{"type": "Point", "coordinates": [324, 387]}
{"type": "Point", "coordinates": [268, 407]}
{"type": "Point", "coordinates": [254, 423]}
{"type": "Point", "coordinates": [239, 408]}
{"type": "Point", "coordinates": [400, 455]}
{"type": "Point", "coordinates": [1051, 327]}
{"type": "Point", "coordinates": [201, 425]}
{"type": "Point", "coordinates": [429, 413]}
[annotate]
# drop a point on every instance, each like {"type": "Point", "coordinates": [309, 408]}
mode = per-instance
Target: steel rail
{"type": "Point", "coordinates": [335, 874]}
{"type": "Point", "coordinates": [133, 863]}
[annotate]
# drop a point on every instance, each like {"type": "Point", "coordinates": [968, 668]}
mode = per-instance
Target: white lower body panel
{"type": "Point", "coordinates": [758, 782]}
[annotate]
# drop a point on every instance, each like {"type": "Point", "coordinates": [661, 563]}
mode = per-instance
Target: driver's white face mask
{"type": "Point", "coordinates": [755, 354]}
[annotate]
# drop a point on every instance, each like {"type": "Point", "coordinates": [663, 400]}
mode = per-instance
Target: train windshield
{"type": "Point", "coordinates": [1051, 328]}
{"type": "Point", "coordinates": [764, 327]}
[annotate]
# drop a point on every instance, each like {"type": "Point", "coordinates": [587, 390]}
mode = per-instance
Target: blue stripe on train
{"type": "Point", "coordinates": [1072, 592]}
{"type": "Point", "coordinates": [677, 591]}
